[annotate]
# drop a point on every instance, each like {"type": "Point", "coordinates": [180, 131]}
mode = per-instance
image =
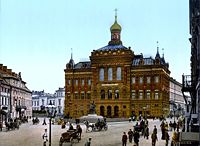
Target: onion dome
{"type": "Point", "coordinates": [115, 26]}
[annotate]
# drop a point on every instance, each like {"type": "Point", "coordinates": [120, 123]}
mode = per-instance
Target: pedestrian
{"type": "Point", "coordinates": [124, 139]}
{"type": "Point", "coordinates": [174, 138]}
{"type": "Point", "coordinates": [166, 138]}
{"type": "Point", "coordinates": [79, 130]}
{"type": "Point", "coordinates": [71, 126]}
{"type": "Point", "coordinates": [146, 132]}
{"type": "Point", "coordinates": [44, 122]}
{"type": "Point", "coordinates": [45, 137]}
{"type": "Point", "coordinates": [154, 138]}
{"type": "Point", "coordinates": [136, 136]}
{"type": "Point", "coordinates": [130, 135]}
{"type": "Point", "coordinates": [88, 143]}
{"type": "Point", "coordinates": [1, 125]}
{"type": "Point", "coordinates": [155, 129]}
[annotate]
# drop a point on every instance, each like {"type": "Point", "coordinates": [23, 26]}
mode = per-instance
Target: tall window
{"type": "Point", "coordinates": [141, 80]}
{"type": "Point", "coordinates": [110, 74]}
{"type": "Point", "coordinates": [148, 94]}
{"type": "Point", "coordinates": [133, 94]}
{"type": "Point", "coordinates": [116, 94]}
{"type": "Point", "coordinates": [119, 73]}
{"type": "Point", "coordinates": [89, 82]}
{"type": "Point", "coordinates": [156, 79]}
{"type": "Point", "coordinates": [156, 94]}
{"type": "Point", "coordinates": [101, 74]}
{"type": "Point", "coordinates": [68, 82]}
{"type": "Point", "coordinates": [109, 94]}
{"type": "Point", "coordinates": [82, 95]}
{"type": "Point", "coordinates": [133, 80]}
{"type": "Point", "coordinates": [140, 94]}
{"type": "Point", "coordinates": [59, 101]}
{"type": "Point", "coordinates": [82, 82]}
{"type": "Point", "coordinates": [102, 94]}
{"type": "Point", "coordinates": [76, 82]}
{"type": "Point", "coordinates": [148, 80]}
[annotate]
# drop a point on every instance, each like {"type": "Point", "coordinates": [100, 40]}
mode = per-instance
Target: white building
{"type": "Point", "coordinates": [177, 102]}
{"type": "Point", "coordinates": [40, 100]}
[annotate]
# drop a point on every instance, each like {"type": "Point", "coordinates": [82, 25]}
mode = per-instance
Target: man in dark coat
{"type": "Point", "coordinates": [124, 139]}
{"type": "Point", "coordinates": [136, 136]}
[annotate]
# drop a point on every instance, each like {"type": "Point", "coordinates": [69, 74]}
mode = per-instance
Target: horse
{"type": "Point", "coordinates": [89, 127]}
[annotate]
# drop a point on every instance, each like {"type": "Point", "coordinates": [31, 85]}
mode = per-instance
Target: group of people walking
{"type": "Point", "coordinates": [142, 129]}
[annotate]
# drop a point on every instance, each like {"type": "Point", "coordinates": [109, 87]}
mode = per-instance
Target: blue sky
{"type": "Point", "coordinates": [36, 36]}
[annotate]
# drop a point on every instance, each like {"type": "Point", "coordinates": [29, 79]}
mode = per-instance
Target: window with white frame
{"type": "Point", "coordinates": [133, 94]}
{"type": "Point", "coordinates": [110, 74]}
{"type": "Point", "coordinates": [148, 80]}
{"type": "Point", "coordinates": [133, 80]}
{"type": "Point", "coordinates": [76, 82]}
{"type": "Point", "coordinates": [141, 80]}
{"type": "Point", "coordinates": [119, 73]}
{"type": "Point", "coordinates": [101, 74]}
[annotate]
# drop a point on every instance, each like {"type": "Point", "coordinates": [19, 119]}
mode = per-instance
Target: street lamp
{"type": "Point", "coordinates": [144, 108]}
{"type": "Point", "coordinates": [51, 110]}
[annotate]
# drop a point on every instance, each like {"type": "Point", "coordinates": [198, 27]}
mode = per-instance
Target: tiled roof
{"type": "Point", "coordinates": [113, 47]}
{"type": "Point", "coordinates": [147, 61]}
{"type": "Point", "coordinates": [86, 64]}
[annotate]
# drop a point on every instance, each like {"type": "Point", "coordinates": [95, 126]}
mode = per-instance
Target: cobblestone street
{"type": "Point", "coordinates": [31, 135]}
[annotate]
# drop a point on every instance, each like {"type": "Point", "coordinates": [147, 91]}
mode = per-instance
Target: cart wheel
{"type": "Point", "coordinates": [72, 140]}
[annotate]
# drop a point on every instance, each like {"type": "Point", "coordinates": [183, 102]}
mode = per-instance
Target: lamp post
{"type": "Point", "coordinates": [51, 114]}
{"type": "Point", "coordinates": [144, 108]}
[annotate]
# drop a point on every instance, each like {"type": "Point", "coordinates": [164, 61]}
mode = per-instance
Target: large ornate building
{"type": "Point", "coordinates": [119, 82]}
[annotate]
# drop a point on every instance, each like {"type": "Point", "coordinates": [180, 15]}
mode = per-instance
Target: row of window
{"type": "Point", "coordinates": [82, 95]}
{"type": "Point", "coordinates": [4, 100]}
{"type": "Point", "coordinates": [144, 107]}
{"type": "Point", "coordinates": [110, 94]}
{"type": "Point", "coordinates": [82, 82]}
{"type": "Point", "coordinates": [110, 74]}
{"type": "Point", "coordinates": [141, 80]}
{"type": "Point", "coordinates": [141, 95]}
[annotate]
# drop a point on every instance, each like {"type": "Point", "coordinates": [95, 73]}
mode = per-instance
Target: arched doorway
{"type": "Point", "coordinates": [116, 111]}
{"type": "Point", "coordinates": [102, 111]}
{"type": "Point", "coordinates": [109, 111]}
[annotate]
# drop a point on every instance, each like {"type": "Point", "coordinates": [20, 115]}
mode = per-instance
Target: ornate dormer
{"type": "Point", "coordinates": [115, 30]}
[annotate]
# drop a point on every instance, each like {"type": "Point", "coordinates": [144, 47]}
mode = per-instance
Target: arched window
{"type": "Point", "coordinates": [110, 74]}
{"type": "Point", "coordinates": [102, 94]}
{"type": "Point", "coordinates": [119, 72]}
{"type": "Point", "coordinates": [101, 74]}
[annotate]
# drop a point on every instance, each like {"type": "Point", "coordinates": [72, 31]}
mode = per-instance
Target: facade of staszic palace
{"type": "Point", "coordinates": [15, 97]}
{"type": "Point", "coordinates": [119, 82]}
{"type": "Point", "coordinates": [40, 100]}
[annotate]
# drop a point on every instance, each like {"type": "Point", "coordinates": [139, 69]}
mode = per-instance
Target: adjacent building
{"type": "Point", "coordinates": [40, 100]}
{"type": "Point", "coordinates": [119, 82]}
{"type": "Point", "coordinates": [177, 102]}
{"type": "Point", "coordinates": [15, 97]}
{"type": "Point", "coordinates": [191, 82]}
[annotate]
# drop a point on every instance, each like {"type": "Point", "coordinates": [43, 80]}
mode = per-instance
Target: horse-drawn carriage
{"type": "Point", "coordinates": [98, 126]}
{"type": "Point", "coordinates": [70, 136]}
